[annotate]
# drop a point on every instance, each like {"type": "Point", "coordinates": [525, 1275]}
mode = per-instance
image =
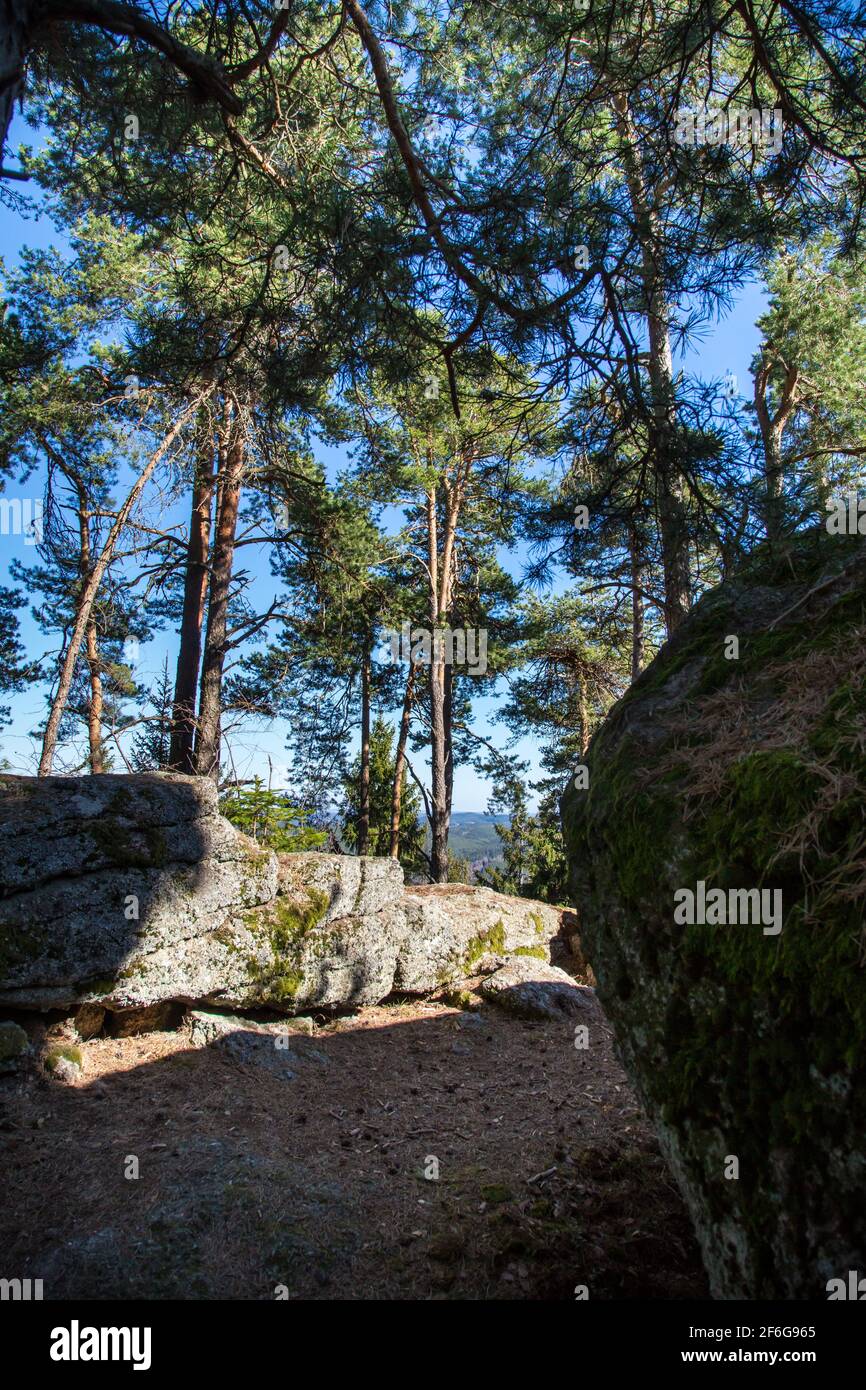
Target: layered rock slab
{"type": "Point", "coordinates": [101, 876]}
{"type": "Point", "coordinates": [125, 892]}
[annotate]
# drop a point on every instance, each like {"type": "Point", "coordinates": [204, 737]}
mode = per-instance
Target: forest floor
{"type": "Point", "coordinates": [549, 1174]}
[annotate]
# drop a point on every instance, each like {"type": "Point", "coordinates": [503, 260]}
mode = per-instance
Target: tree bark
{"type": "Point", "coordinates": [21, 28]}
{"type": "Point", "coordinates": [209, 733]}
{"type": "Point", "coordinates": [88, 594]}
{"type": "Point", "coordinates": [91, 644]}
{"type": "Point", "coordinates": [400, 764]}
{"type": "Point", "coordinates": [14, 20]}
{"type": "Point", "coordinates": [94, 708]}
{"type": "Point", "coordinates": [439, 799]}
{"type": "Point", "coordinates": [772, 427]}
{"type": "Point", "coordinates": [364, 788]}
{"type": "Point", "coordinates": [442, 583]}
{"type": "Point", "coordinates": [448, 718]}
{"type": "Point", "coordinates": [672, 517]}
{"type": "Point", "coordinates": [194, 593]}
{"type": "Point", "coordinates": [582, 716]}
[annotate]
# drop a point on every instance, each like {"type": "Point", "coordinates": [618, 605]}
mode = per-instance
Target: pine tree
{"type": "Point", "coordinates": [271, 818]}
{"type": "Point", "coordinates": [15, 671]}
{"type": "Point", "coordinates": [151, 743]}
{"type": "Point", "coordinates": [808, 383]}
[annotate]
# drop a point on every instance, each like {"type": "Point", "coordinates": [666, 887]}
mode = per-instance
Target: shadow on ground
{"type": "Point", "coordinates": [549, 1176]}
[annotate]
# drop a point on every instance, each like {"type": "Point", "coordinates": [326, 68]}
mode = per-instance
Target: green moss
{"type": "Point", "coordinates": [69, 1054]}
{"type": "Point", "coordinates": [96, 986]}
{"type": "Point", "coordinates": [133, 971]}
{"type": "Point", "coordinates": [746, 1044]}
{"type": "Point", "coordinates": [460, 999]}
{"type": "Point", "coordinates": [490, 942]}
{"type": "Point", "coordinates": [537, 951]}
{"type": "Point", "coordinates": [18, 944]}
{"type": "Point", "coordinates": [285, 924]}
{"type": "Point", "coordinates": [121, 802]}
{"type": "Point", "coordinates": [765, 793]}
{"type": "Point", "coordinates": [802, 558]}
{"type": "Point", "coordinates": [226, 937]}
{"type": "Point", "coordinates": [496, 1192]}
{"type": "Point", "coordinates": [285, 986]}
{"type": "Point", "coordinates": [629, 819]}
{"type": "Point", "coordinates": [130, 847]}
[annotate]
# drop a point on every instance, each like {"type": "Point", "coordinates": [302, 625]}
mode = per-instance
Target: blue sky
{"type": "Point", "coordinates": [727, 346]}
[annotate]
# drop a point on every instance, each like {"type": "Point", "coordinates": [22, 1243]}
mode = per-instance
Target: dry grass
{"type": "Point", "coordinates": [780, 713]}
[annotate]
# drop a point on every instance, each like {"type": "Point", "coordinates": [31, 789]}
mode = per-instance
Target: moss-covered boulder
{"type": "Point", "coordinates": [718, 860]}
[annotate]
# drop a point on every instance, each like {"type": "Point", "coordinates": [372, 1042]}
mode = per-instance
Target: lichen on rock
{"type": "Point", "coordinates": [126, 892]}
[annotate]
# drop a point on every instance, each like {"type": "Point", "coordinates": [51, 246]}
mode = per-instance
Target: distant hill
{"type": "Point", "coordinates": [473, 836]}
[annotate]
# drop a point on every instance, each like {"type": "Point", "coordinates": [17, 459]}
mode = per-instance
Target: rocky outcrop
{"type": "Point", "coordinates": [330, 938]}
{"type": "Point", "coordinates": [266, 1045]}
{"type": "Point", "coordinates": [107, 881]}
{"type": "Point", "coordinates": [126, 892]}
{"type": "Point", "coordinates": [531, 989]}
{"type": "Point", "coordinates": [454, 930]}
{"type": "Point", "coordinates": [718, 860]}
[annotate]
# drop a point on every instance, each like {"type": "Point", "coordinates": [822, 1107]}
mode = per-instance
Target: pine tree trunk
{"type": "Point", "coordinates": [95, 705]}
{"type": "Point", "coordinates": [439, 848]}
{"type": "Point", "coordinates": [673, 523]}
{"type": "Point", "coordinates": [14, 17]}
{"type": "Point", "coordinates": [91, 644]}
{"type": "Point", "coordinates": [772, 427]}
{"type": "Point", "coordinates": [208, 739]}
{"type": "Point", "coordinates": [400, 764]}
{"type": "Point", "coordinates": [774, 514]}
{"type": "Point", "coordinates": [194, 593]}
{"type": "Point", "coordinates": [583, 718]}
{"type": "Point", "coordinates": [89, 592]}
{"type": "Point", "coordinates": [439, 780]}
{"type": "Point", "coordinates": [448, 713]}
{"type": "Point", "coordinates": [364, 788]}
{"type": "Point", "coordinates": [672, 517]}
